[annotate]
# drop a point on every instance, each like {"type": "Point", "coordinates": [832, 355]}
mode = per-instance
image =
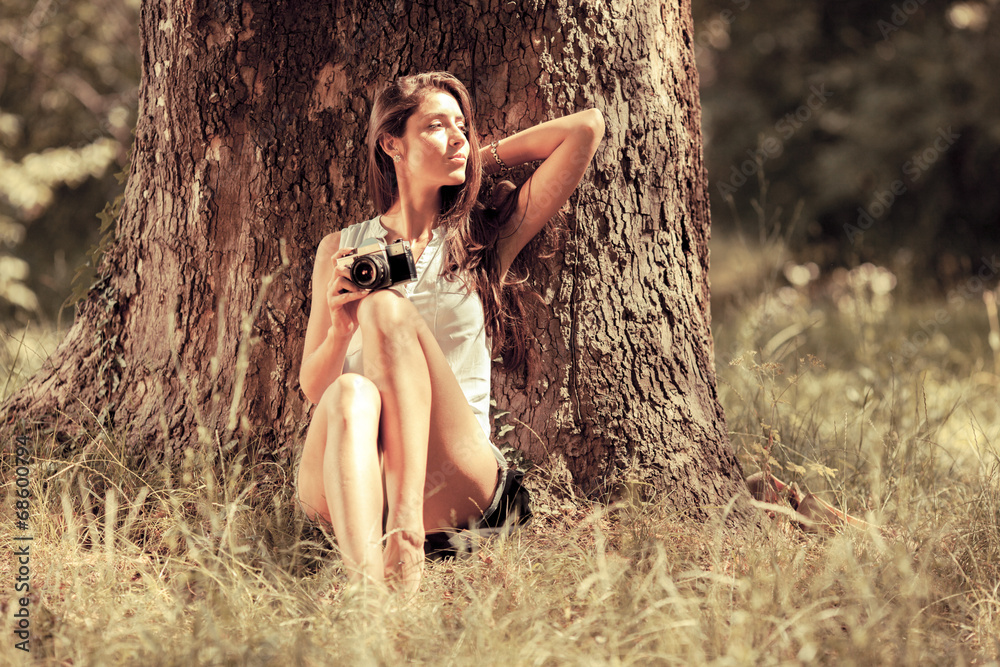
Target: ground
{"type": "Point", "coordinates": [833, 381]}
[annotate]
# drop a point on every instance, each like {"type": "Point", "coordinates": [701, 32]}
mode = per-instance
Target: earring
{"type": "Point", "coordinates": [397, 157]}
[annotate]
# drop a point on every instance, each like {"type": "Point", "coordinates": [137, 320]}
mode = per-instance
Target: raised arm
{"type": "Point", "coordinates": [567, 145]}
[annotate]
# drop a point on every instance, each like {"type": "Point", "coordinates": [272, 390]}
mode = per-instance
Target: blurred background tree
{"type": "Point", "coordinates": [861, 114]}
{"type": "Point", "coordinates": [69, 75]}
{"type": "Point", "coordinates": [837, 100]}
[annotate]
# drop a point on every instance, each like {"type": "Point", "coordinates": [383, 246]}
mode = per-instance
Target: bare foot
{"type": "Point", "coordinates": [817, 515]}
{"type": "Point", "coordinates": [371, 593]}
{"type": "Point", "coordinates": [404, 560]}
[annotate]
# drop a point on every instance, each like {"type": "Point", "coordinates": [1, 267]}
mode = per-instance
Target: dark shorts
{"type": "Point", "coordinates": [510, 508]}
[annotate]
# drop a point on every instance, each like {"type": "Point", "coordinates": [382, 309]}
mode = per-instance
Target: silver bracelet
{"type": "Point", "coordinates": [493, 149]}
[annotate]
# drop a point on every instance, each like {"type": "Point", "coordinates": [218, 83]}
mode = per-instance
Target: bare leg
{"type": "Point", "coordinates": [339, 476]}
{"type": "Point", "coordinates": [438, 467]}
{"type": "Point", "coordinates": [394, 361]}
{"type": "Point", "coordinates": [439, 470]}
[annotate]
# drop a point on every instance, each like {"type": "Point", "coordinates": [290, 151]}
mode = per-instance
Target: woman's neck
{"type": "Point", "coordinates": [414, 214]}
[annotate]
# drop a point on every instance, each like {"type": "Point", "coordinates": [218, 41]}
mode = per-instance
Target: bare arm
{"type": "Point", "coordinates": [567, 145]}
{"type": "Point", "coordinates": [332, 321]}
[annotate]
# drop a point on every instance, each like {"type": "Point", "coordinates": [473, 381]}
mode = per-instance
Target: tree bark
{"type": "Point", "coordinates": [250, 147]}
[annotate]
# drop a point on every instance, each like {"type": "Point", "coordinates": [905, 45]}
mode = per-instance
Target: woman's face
{"type": "Point", "coordinates": [435, 145]}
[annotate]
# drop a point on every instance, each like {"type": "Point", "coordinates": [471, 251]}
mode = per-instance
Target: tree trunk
{"type": "Point", "coordinates": [250, 147]}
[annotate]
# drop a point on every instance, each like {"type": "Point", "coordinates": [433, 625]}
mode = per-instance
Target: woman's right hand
{"type": "Point", "coordinates": [341, 297]}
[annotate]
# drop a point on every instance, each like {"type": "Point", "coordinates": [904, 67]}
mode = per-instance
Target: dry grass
{"type": "Point", "coordinates": [210, 564]}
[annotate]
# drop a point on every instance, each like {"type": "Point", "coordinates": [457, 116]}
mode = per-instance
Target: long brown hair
{"type": "Point", "coordinates": [392, 108]}
{"type": "Point", "coordinates": [475, 221]}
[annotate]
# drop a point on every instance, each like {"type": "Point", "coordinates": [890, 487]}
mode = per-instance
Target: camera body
{"type": "Point", "coordinates": [377, 265]}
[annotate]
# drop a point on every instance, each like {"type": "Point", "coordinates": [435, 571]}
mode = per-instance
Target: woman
{"type": "Point", "coordinates": [401, 423]}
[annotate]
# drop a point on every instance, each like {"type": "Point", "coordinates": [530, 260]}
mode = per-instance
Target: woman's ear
{"type": "Point", "coordinates": [388, 144]}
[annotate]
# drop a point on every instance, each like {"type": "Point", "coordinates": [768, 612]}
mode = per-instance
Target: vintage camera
{"type": "Point", "coordinates": [376, 265]}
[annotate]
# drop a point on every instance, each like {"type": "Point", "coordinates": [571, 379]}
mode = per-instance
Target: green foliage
{"type": "Point", "coordinates": [69, 75]}
{"type": "Point", "coordinates": [894, 162]}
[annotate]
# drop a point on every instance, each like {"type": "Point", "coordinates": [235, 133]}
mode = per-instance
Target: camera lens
{"type": "Point", "coordinates": [366, 272]}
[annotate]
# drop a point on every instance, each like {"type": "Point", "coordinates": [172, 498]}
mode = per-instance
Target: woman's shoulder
{"type": "Point", "coordinates": [344, 238]}
{"type": "Point", "coordinates": [334, 241]}
{"type": "Point", "coordinates": [352, 234]}
{"type": "Point", "coordinates": [329, 244]}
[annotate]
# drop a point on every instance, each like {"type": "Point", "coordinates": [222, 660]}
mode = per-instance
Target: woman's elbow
{"type": "Point", "coordinates": [594, 121]}
{"type": "Point", "coordinates": [306, 384]}
{"type": "Point", "coordinates": [590, 130]}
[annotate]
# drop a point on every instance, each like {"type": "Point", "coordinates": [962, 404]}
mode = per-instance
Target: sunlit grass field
{"type": "Point", "coordinates": [837, 382]}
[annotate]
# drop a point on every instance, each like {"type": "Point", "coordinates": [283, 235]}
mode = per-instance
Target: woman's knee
{"type": "Point", "coordinates": [386, 312]}
{"type": "Point", "coordinates": [351, 397]}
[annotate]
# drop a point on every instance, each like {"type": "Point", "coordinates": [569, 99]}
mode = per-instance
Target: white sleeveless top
{"type": "Point", "coordinates": [453, 313]}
